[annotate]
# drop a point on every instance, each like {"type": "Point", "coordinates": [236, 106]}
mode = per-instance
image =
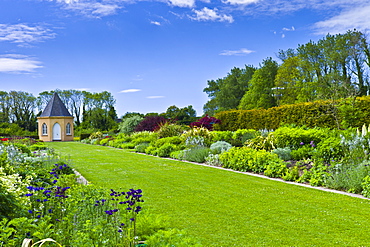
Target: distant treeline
{"type": "Point", "coordinates": [336, 66]}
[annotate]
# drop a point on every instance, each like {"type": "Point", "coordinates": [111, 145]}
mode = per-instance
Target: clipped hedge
{"type": "Point", "coordinates": [350, 112]}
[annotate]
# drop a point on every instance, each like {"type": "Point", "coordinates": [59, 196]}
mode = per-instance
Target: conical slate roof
{"type": "Point", "coordinates": [55, 108]}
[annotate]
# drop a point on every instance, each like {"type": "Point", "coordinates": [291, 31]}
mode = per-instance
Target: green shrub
{"type": "Point", "coordinates": [366, 186]}
{"type": "Point", "coordinates": [261, 142]}
{"type": "Point", "coordinates": [305, 152]}
{"type": "Point", "coordinates": [348, 177]}
{"type": "Point", "coordinates": [242, 135]}
{"type": "Point", "coordinates": [151, 150]}
{"type": "Point", "coordinates": [96, 135]}
{"type": "Point", "coordinates": [176, 154]}
{"type": "Point", "coordinates": [275, 169]}
{"type": "Point", "coordinates": [283, 153]}
{"type": "Point", "coordinates": [128, 125]}
{"type": "Point", "coordinates": [213, 160]}
{"type": "Point", "coordinates": [226, 136]}
{"type": "Point", "coordinates": [248, 159]}
{"type": "Point", "coordinates": [317, 175]}
{"type": "Point", "coordinates": [166, 149]}
{"type": "Point", "coordinates": [351, 112]}
{"type": "Point", "coordinates": [196, 154]}
{"type": "Point", "coordinates": [105, 141]}
{"type": "Point", "coordinates": [292, 173]}
{"type": "Point", "coordinates": [176, 140]}
{"type": "Point", "coordinates": [143, 137]}
{"type": "Point", "coordinates": [329, 149]}
{"type": "Point", "coordinates": [294, 137]}
{"type": "Point", "coordinates": [220, 147]}
{"type": "Point", "coordinates": [127, 145]}
{"type": "Point", "coordinates": [169, 129]}
{"type": "Point", "coordinates": [141, 147]}
{"type": "Point", "coordinates": [198, 132]}
{"type": "Point", "coordinates": [38, 146]}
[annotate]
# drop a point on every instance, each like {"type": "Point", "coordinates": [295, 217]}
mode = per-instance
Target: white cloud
{"type": "Point", "coordinates": [207, 14]}
{"type": "Point", "coordinates": [288, 29]}
{"type": "Point", "coordinates": [13, 63]}
{"type": "Point", "coordinates": [130, 91]}
{"type": "Point", "coordinates": [154, 97]}
{"type": "Point", "coordinates": [92, 9]}
{"type": "Point", "coordinates": [182, 3]}
{"type": "Point", "coordinates": [356, 17]}
{"type": "Point", "coordinates": [240, 2]}
{"type": "Point", "coordinates": [157, 23]}
{"type": "Point", "coordinates": [24, 34]}
{"type": "Point", "coordinates": [240, 52]}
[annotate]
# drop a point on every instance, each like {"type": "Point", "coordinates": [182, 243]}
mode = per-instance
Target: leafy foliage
{"type": "Point", "coordinates": [206, 122]}
{"type": "Point", "coordinates": [150, 123]}
{"type": "Point", "coordinates": [128, 125]}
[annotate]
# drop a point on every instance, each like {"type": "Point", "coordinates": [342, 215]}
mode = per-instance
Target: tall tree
{"type": "Point", "coordinates": [22, 109]}
{"type": "Point", "coordinates": [260, 93]}
{"type": "Point", "coordinates": [226, 93]}
{"type": "Point", "coordinates": [4, 107]}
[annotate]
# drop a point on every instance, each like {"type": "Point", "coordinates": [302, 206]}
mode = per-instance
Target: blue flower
{"type": "Point", "coordinates": [29, 194]}
{"type": "Point", "coordinates": [30, 211]}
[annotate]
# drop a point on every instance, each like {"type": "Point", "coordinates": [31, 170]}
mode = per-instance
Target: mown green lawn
{"type": "Point", "coordinates": [224, 208]}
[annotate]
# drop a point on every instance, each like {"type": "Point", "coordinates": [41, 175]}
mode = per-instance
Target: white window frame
{"type": "Point", "coordinates": [44, 129]}
{"type": "Point", "coordinates": [68, 129]}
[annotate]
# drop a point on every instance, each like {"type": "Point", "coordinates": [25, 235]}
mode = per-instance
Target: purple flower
{"type": "Point", "coordinates": [120, 230]}
{"type": "Point", "coordinates": [302, 143]}
{"type": "Point", "coordinates": [55, 181]}
{"type": "Point", "coordinates": [132, 219]}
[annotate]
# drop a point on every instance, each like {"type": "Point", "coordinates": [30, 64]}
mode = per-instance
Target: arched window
{"type": "Point", "coordinates": [44, 129]}
{"type": "Point", "coordinates": [68, 129]}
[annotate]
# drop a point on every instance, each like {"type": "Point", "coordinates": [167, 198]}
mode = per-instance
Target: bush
{"type": "Point", "coordinates": [150, 123]}
{"type": "Point", "coordinates": [348, 177]}
{"type": "Point", "coordinates": [248, 159]}
{"type": "Point", "coordinates": [213, 160]}
{"type": "Point", "coordinates": [141, 147]}
{"type": "Point", "coordinates": [345, 113]}
{"type": "Point", "coordinates": [205, 122]}
{"type": "Point", "coordinates": [275, 169]}
{"type": "Point", "coordinates": [226, 136]}
{"type": "Point", "coordinates": [242, 135]}
{"type": "Point", "coordinates": [366, 186]}
{"type": "Point", "coordinates": [305, 152]}
{"type": "Point", "coordinates": [166, 149]}
{"type": "Point", "coordinates": [169, 129]}
{"type": "Point", "coordinates": [198, 132]}
{"type": "Point", "coordinates": [128, 125]}
{"type": "Point", "coordinates": [283, 153]}
{"type": "Point", "coordinates": [196, 154]}
{"type": "Point", "coordinates": [172, 140]}
{"type": "Point", "coordinates": [220, 147]}
{"type": "Point", "coordinates": [96, 135]}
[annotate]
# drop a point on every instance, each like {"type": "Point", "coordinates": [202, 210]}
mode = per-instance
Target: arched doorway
{"type": "Point", "coordinates": [57, 135]}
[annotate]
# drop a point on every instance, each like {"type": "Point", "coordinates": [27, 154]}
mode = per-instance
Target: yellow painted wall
{"type": "Point", "coordinates": [50, 121]}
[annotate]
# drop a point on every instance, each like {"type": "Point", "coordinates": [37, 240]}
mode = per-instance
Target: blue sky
{"type": "Point", "coordinates": [156, 53]}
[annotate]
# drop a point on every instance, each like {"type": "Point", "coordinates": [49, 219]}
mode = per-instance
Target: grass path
{"type": "Point", "coordinates": [223, 208]}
